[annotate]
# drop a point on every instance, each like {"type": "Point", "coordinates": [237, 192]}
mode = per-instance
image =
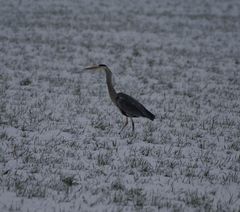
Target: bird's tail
{"type": "Point", "coordinates": [149, 115]}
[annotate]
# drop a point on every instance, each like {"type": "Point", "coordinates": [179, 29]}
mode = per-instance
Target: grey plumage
{"type": "Point", "coordinates": [131, 107]}
{"type": "Point", "coordinates": [128, 106]}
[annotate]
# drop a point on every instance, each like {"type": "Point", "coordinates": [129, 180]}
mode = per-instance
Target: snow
{"type": "Point", "coordinates": [60, 148]}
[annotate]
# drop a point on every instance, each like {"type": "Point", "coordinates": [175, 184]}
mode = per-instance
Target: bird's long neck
{"type": "Point", "coordinates": [111, 89]}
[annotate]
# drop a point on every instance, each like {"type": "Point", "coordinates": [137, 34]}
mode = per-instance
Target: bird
{"type": "Point", "coordinates": [127, 105]}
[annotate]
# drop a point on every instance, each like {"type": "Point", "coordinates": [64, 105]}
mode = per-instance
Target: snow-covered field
{"type": "Point", "coordinates": [59, 144]}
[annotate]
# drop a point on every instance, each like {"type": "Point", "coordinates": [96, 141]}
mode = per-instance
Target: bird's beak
{"type": "Point", "coordinates": [91, 67]}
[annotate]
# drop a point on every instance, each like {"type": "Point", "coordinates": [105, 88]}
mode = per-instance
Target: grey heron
{"type": "Point", "coordinates": [128, 106]}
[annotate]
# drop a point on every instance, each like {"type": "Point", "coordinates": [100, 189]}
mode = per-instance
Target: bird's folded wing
{"type": "Point", "coordinates": [130, 106]}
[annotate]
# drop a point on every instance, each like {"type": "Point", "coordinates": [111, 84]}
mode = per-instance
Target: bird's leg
{"type": "Point", "coordinates": [126, 123]}
{"type": "Point", "coordinates": [132, 124]}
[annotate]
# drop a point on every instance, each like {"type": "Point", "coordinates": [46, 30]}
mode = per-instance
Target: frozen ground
{"type": "Point", "coordinates": [60, 149]}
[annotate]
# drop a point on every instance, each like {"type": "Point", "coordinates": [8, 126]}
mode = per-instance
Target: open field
{"type": "Point", "coordinates": [59, 144]}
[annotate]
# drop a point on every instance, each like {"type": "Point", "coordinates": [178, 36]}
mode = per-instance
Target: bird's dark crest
{"type": "Point", "coordinates": [102, 65]}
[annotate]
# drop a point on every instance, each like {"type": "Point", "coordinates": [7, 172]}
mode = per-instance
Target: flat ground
{"type": "Point", "coordinates": [59, 144]}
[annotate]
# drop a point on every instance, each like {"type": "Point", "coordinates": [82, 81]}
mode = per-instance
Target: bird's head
{"type": "Point", "coordinates": [97, 67]}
